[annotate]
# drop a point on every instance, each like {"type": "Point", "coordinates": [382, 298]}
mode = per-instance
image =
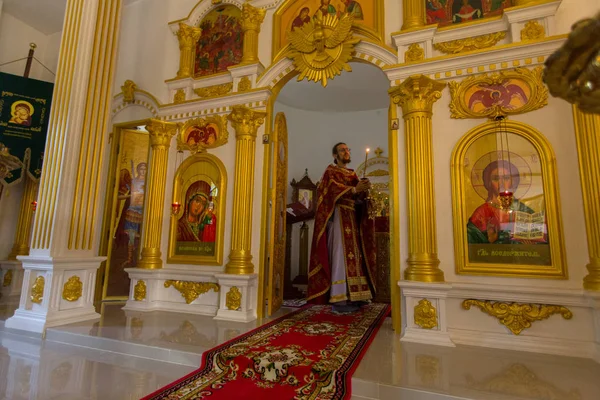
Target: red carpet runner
{"type": "Point", "coordinates": [309, 354]}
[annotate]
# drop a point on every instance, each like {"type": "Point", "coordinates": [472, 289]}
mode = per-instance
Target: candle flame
{"type": "Point", "coordinates": [368, 149]}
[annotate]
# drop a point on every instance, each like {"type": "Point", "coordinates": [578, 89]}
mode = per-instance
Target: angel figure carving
{"type": "Point", "coordinates": [322, 47]}
{"type": "Point", "coordinates": [498, 95]}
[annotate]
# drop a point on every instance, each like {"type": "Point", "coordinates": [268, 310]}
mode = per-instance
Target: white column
{"type": "Point", "coordinates": [60, 271]}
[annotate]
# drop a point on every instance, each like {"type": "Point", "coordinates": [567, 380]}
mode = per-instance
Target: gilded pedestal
{"type": "Point", "coordinates": [252, 18]}
{"type": "Point", "coordinates": [246, 123]}
{"type": "Point", "coordinates": [187, 36]}
{"type": "Point", "coordinates": [416, 96]}
{"type": "Point", "coordinates": [160, 140]}
{"type": "Point", "coordinates": [587, 127]}
{"type": "Point", "coordinates": [21, 245]}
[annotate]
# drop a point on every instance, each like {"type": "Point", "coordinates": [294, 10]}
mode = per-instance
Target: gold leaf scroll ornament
{"type": "Point", "coordinates": [73, 289]}
{"type": "Point", "coordinates": [322, 48]}
{"type": "Point", "coordinates": [425, 315]}
{"type": "Point", "coordinates": [517, 316]}
{"type": "Point", "coordinates": [190, 291]}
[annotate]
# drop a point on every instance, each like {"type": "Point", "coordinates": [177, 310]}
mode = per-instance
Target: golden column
{"type": "Point", "coordinates": [21, 245]}
{"type": "Point", "coordinates": [160, 140]}
{"type": "Point", "coordinates": [188, 36]}
{"type": "Point", "coordinates": [587, 127]}
{"type": "Point", "coordinates": [413, 12]}
{"type": "Point", "coordinates": [252, 18]}
{"type": "Point", "coordinates": [416, 96]}
{"type": "Point", "coordinates": [246, 123]}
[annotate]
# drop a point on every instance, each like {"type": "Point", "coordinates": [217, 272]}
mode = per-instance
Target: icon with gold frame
{"type": "Point", "coordinates": [200, 134]}
{"type": "Point", "coordinates": [197, 229]}
{"type": "Point", "coordinates": [523, 239]}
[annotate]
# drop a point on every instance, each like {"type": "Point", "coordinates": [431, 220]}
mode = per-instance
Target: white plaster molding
{"type": "Point", "coordinates": [251, 70]}
{"type": "Point", "coordinates": [543, 13]}
{"type": "Point", "coordinates": [187, 82]}
{"type": "Point", "coordinates": [141, 99]}
{"type": "Point", "coordinates": [208, 81]}
{"type": "Point", "coordinates": [463, 32]}
{"type": "Point", "coordinates": [16, 268]}
{"type": "Point", "coordinates": [594, 301]}
{"type": "Point", "coordinates": [422, 37]}
{"type": "Point", "coordinates": [248, 287]}
{"type": "Point", "coordinates": [381, 55]}
{"type": "Point", "coordinates": [271, 76]}
{"type": "Point", "coordinates": [471, 63]}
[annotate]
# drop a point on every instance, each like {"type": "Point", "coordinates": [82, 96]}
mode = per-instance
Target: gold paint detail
{"type": "Point", "coordinates": [190, 291]}
{"type": "Point", "coordinates": [425, 315]}
{"type": "Point", "coordinates": [128, 90]}
{"type": "Point", "coordinates": [8, 276]}
{"type": "Point", "coordinates": [322, 47]}
{"type": "Point", "coordinates": [587, 127]}
{"type": "Point", "coordinates": [517, 316]}
{"type": "Point", "coordinates": [161, 133]}
{"type": "Point", "coordinates": [416, 95]}
{"type": "Point", "coordinates": [252, 19]}
{"type": "Point", "coordinates": [394, 219]}
{"type": "Point", "coordinates": [244, 84]}
{"type": "Point", "coordinates": [414, 53]}
{"type": "Point", "coordinates": [72, 289]}
{"type": "Point", "coordinates": [233, 299]}
{"type": "Point", "coordinates": [413, 13]}
{"type": "Point", "coordinates": [188, 37]}
{"type": "Point", "coordinates": [518, 381]}
{"type": "Point", "coordinates": [214, 91]}
{"type": "Point", "coordinates": [139, 291]}
{"type": "Point", "coordinates": [22, 235]}
{"type": "Point", "coordinates": [533, 78]}
{"type": "Point", "coordinates": [222, 137]}
{"type": "Point", "coordinates": [378, 172]}
{"type": "Point", "coordinates": [37, 290]}
{"type": "Point", "coordinates": [533, 30]}
{"type": "Point", "coordinates": [246, 123]}
{"type": "Point", "coordinates": [179, 96]}
{"type": "Point", "coordinates": [470, 43]}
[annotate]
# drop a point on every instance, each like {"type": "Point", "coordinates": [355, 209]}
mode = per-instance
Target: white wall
{"type": "Point", "coordinates": [311, 135]}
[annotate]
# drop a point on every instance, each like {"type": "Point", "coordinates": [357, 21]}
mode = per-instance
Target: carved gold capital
{"type": "Point", "coordinates": [233, 299]}
{"type": "Point", "coordinates": [252, 17]}
{"type": "Point", "coordinates": [187, 36]}
{"type": "Point", "coordinates": [425, 315]}
{"type": "Point", "coordinates": [190, 291]}
{"type": "Point", "coordinates": [72, 289]}
{"type": "Point", "coordinates": [161, 132]}
{"type": "Point", "coordinates": [139, 291]}
{"type": "Point", "coordinates": [470, 43]}
{"type": "Point", "coordinates": [246, 121]}
{"type": "Point", "coordinates": [417, 94]}
{"type": "Point", "coordinates": [37, 290]}
{"type": "Point", "coordinates": [517, 316]}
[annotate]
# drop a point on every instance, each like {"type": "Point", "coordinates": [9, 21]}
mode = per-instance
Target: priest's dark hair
{"type": "Point", "coordinates": [334, 151]}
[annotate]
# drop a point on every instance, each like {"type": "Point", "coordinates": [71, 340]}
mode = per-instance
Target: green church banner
{"type": "Point", "coordinates": [24, 113]}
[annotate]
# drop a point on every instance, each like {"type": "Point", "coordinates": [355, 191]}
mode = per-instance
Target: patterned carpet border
{"type": "Point", "coordinates": [341, 375]}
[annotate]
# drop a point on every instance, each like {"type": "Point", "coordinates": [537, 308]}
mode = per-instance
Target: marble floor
{"type": "Point", "coordinates": [126, 355]}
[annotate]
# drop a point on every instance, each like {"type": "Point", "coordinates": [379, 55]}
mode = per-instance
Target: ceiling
{"type": "Point", "coordinates": [46, 16]}
{"type": "Point", "coordinates": [365, 88]}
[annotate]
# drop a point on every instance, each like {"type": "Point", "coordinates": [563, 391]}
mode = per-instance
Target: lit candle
{"type": "Point", "coordinates": [366, 158]}
{"type": "Point", "coordinates": [175, 208]}
{"type": "Point", "coordinates": [34, 205]}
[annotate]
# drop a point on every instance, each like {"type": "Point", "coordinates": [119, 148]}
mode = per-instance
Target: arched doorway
{"type": "Point", "coordinates": [344, 96]}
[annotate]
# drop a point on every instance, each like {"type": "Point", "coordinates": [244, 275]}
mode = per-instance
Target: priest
{"type": "Point", "coordinates": [342, 262]}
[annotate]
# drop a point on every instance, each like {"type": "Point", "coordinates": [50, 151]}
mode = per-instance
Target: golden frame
{"type": "Point", "coordinates": [538, 97]}
{"type": "Point", "coordinates": [558, 269]}
{"type": "Point", "coordinates": [377, 34]}
{"type": "Point", "coordinates": [223, 135]}
{"type": "Point", "coordinates": [215, 171]}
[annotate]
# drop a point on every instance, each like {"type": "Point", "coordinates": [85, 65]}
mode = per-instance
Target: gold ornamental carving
{"type": "Point", "coordinates": [246, 121]}
{"type": "Point", "coordinates": [533, 30]}
{"type": "Point", "coordinates": [414, 53]}
{"type": "Point", "coordinates": [179, 96]}
{"type": "Point", "coordinates": [322, 47]}
{"type": "Point", "coordinates": [190, 291]}
{"type": "Point", "coordinates": [251, 20]}
{"type": "Point", "coordinates": [218, 124]}
{"type": "Point", "coordinates": [139, 291]}
{"type": "Point", "coordinates": [505, 83]}
{"type": "Point", "coordinates": [517, 316]}
{"type": "Point", "coordinates": [417, 93]}
{"type": "Point", "coordinates": [72, 289]}
{"type": "Point", "coordinates": [244, 84]}
{"type": "Point", "coordinates": [161, 132]}
{"type": "Point", "coordinates": [128, 90]}
{"type": "Point", "coordinates": [470, 43]}
{"type": "Point", "coordinates": [8, 276]}
{"type": "Point", "coordinates": [233, 299]}
{"type": "Point", "coordinates": [518, 381]}
{"type": "Point", "coordinates": [425, 315]}
{"type": "Point", "coordinates": [37, 290]}
{"type": "Point", "coordinates": [214, 91]}
{"type": "Point", "coordinates": [187, 36]}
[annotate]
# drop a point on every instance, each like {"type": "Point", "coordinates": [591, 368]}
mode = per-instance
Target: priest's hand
{"type": "Point", "coordinates": [363, 185]}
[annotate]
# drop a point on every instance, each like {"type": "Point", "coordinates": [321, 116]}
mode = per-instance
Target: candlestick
{"type": "Point", "coordinates": [365, 167]}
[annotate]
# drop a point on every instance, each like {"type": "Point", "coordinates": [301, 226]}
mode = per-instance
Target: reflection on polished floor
{"type": "Point", "coordinates": [126, 355]}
